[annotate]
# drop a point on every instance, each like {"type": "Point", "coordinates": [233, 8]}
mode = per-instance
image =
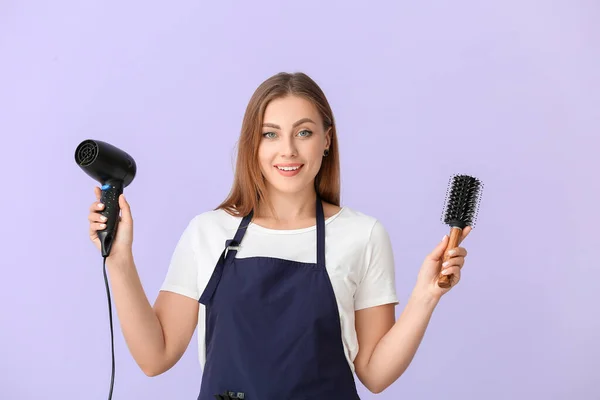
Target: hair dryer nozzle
{"type": "Point", "coordinates": [105, 162]}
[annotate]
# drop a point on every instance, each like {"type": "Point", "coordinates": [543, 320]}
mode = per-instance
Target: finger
{"type": "Point", "coordinates": [464, 234]}
{"type": "Point", "coordinates": [455, 278]}
{"type": "Point", "coordinates": [96, 217]}
{"type": "Point", "coordinates": [456, 252]}
{"type": "Point", "coordinates": [453, 262]}
{"type": "Point", "coordinates": [97, 192]}
{"type": "Point", "coordinates": [96, 206]}
{"type": "Point", "coordinates": [451, 271]}
{"type": "Point", "coordinates": [97, 227]}
{"type": "Point", "coordinates": [438, 252]}
{"type": "Point", "coordinates": [125, 209]}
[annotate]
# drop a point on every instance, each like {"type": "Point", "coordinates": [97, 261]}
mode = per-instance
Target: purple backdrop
{"type": "Point", "coordinates": [508, 91]}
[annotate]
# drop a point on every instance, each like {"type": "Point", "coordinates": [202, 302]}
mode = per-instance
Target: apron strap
{"type": "Point", "coordinates": [320, 233]}
{"type": "Point", "coordinates": [232, 245]}
{"type": "Point", "coordinates": [229, 251]}
{"type": "Point", "coordinates": [213, 282]}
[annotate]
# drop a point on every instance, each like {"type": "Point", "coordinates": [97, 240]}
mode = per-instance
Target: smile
{"type": "Point", "coordinates": [289, 170]}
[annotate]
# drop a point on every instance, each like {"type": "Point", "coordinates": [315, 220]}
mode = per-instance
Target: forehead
{"type": "Point", "coordinates": [289, 109]}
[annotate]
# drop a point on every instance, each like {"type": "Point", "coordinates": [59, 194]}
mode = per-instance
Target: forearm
{"type": "Point", "coordinates": [396, 349]}
{"type": "Point", "coordinates": [140, 325]}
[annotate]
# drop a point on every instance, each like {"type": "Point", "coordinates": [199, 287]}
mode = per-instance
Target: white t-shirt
{"type": "Point", "coordinates": [358, 255]}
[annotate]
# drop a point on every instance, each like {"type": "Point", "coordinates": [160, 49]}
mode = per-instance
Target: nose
{"type": "Point", "coordinates": [288, 147]}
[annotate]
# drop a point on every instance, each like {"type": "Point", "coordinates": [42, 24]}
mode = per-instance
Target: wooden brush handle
{"type": "Point", "coordinates": [444, 281]}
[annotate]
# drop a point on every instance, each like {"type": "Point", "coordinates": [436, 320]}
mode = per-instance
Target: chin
{"type": "Point", "coordinates": [288, 186]}
{"type": "Point", "coordinates": [290, 189]}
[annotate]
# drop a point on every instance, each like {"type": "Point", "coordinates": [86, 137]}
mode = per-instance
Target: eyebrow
{"type": "Point", "coordinates": [300, 121]}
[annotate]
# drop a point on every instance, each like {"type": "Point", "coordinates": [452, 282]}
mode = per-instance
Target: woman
{"type": "Point", "coordinates": [291, 293]}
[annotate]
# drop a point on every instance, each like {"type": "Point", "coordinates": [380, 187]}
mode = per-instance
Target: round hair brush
{"type": "Point", "coordinates": [461, 207]}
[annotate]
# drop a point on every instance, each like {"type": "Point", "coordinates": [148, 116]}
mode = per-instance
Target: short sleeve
{"type": "Point", "coordinates": [378, 284]}
{"type": "Point", "coordinates": [182, 275]}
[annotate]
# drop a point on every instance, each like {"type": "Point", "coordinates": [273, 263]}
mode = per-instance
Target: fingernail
{"type": "Point", "coordinates": [102, 226]}
{"type": "Point", "coordinates": [103, 218]}
{"type": "Point", "coordinates": [452, 252]}
{"type": "Point", "coordinates": [444, 238]}
{"type": "Point", "coordinates": [100, 205]}
{"type": "Point", "coordinates": [445, 264]}
{"type": "Point", "coordinates": [446, 272]}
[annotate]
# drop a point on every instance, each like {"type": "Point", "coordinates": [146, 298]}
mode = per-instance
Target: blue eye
{"type": "Point", "coordinates": [273, 135]}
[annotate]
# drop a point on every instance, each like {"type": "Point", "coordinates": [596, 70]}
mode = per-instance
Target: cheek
{"type": "Point", "coordinates": [264, 157]}
{"type": "Point", "coordinates": [315, 155]}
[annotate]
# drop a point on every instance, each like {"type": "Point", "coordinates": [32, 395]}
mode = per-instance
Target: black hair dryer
{"type": "Point", "coordinates": [115, 170]}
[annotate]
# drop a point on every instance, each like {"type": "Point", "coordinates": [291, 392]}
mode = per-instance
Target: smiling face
{"type": "Point", "coordinates": [292, 144]}
{"type": "Point", "coordinates": [299, 127]}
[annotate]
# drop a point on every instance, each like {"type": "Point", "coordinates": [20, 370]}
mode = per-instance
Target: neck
{"type": "Point", "coordinates": [289, 207]}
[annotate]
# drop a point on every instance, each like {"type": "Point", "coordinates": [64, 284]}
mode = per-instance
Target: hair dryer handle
{"type": "Point", "coordinates": [111, 191]}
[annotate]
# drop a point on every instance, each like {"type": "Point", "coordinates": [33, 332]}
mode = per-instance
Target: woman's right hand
{"type": "Point", "coordinates": [122, 244]}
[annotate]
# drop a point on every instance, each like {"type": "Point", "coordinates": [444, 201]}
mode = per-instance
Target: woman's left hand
{"type": "Point", "coordinates": [432, 266]}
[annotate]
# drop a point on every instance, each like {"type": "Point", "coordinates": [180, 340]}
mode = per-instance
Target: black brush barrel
{"type": "Point", "coordinates": [462, 201]}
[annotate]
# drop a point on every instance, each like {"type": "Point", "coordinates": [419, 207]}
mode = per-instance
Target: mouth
{"type": "Point", "coordinates": [288, 169]}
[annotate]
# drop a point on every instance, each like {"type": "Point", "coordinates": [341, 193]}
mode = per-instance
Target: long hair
{"type": "Point", "coordinates": [249, 188]}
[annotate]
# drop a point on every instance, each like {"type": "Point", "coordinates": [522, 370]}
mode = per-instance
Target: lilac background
{"type": "Point", "coordinates": [508, 91]}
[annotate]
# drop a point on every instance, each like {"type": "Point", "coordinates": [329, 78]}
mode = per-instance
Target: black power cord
{"type": "Point", "coordinates": [112, 337]}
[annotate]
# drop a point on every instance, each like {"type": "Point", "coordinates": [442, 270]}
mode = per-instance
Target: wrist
{"type": "Point", "coordinates": [424, 297]}
{"type": "Point", "coordinates": [120, 261]}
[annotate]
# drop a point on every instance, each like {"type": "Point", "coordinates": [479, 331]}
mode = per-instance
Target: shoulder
{"type": "Point", "coordinates": [213, 221]}
{"type": "Point", "coordinates": [364, 228]}
{"type": "Point", "coordinates": [356, 220]}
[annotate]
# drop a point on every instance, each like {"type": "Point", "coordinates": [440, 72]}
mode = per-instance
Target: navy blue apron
{"type": "Point", "coordinates": [273, 329]}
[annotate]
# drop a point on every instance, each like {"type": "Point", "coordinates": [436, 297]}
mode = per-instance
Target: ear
{"type": "Point", "coordinates": [328, 138]}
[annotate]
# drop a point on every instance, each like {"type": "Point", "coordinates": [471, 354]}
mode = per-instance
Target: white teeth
{"type": "Point", "coordinates": [288, 168]}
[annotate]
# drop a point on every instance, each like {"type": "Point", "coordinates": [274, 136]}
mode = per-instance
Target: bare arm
{"type": "Point", "coordinates": [156, 336]}
{"type": "Point", "coordinates": [387, 347]}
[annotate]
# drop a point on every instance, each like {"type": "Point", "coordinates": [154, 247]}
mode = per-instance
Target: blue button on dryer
{"type": "Point", "coordinates": [105, 186]}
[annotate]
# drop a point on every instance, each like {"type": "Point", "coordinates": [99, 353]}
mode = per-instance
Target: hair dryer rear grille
{"type": "Point", "coordinates": [87, 153]}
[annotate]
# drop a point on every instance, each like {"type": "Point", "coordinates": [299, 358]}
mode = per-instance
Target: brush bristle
{"type": "Point", "coordinates": [461, 204]}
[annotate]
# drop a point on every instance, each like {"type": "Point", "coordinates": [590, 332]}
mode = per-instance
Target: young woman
{"type": "Point", "coordinates": [292, 294]}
